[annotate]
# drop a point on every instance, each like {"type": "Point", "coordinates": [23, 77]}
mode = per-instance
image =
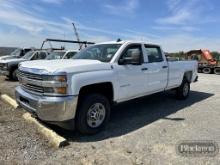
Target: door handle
{"type": "Point", "coordinates": [165, 67]}
{"type": "Point", "coordinates": [144, 69]}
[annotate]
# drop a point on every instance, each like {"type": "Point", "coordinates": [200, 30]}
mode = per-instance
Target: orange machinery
{"type": "Point", "coordinates": [206, 62]}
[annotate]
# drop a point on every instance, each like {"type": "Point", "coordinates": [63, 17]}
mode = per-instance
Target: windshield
{"type": "Point", "coordinates": [55, 55]}
{"type": "Point", "coordinates": [28, 55]}
{"type": "Point", "coordinates": [16, 52]}
{"type": "Point", "coordinates": [103, 53]}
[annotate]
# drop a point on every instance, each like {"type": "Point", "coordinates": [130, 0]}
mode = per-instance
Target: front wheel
{"type": "Point", "coordinates": [92, 114]}
{"type": "Point", "coordinates": [207, 70]}
{"type": "Point", "coordinates": [182, 92]}
{"type": "Point", "coordinates": [14, 75]}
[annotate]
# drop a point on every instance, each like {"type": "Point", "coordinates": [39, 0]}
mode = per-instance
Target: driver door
{"type": "Point", "coordinates": [131, 77]}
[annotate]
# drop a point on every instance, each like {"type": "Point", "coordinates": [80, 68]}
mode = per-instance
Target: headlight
{"type": "Point", "coordinates": [61, 78]}
{"type": "Point", "coordinates": [56, 90]}
{"type": "Point", "coordinates": [57, 85]}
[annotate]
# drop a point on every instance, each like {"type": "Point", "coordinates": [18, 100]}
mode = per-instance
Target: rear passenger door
{"type": "Point", "coordinates": [157, 69]}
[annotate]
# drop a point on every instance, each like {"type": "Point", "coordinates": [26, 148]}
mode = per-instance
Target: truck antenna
{"type": "Point", "coordinates": [119, 40]}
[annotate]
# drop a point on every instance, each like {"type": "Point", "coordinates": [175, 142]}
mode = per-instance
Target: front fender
{"type": "Point", "coordinates": [80, 80]}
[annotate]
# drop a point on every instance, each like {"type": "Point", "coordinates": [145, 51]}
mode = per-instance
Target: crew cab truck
{"type": "Point", "coordinates": [17, 53]}
{"type": "Point", "coordinates": [9, 67]}
{"type": "Point", "coordinates": [78, 93]}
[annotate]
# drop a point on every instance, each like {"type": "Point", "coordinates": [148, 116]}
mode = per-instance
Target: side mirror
{"type": "Point", "coordinates": [121, 62]}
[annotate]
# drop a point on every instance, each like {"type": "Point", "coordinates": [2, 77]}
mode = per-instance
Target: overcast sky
{"type": "Point", "coordinates": [175, 24]}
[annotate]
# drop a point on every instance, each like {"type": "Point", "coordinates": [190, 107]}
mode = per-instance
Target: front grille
{"type": "Point", "coordinates": [39, 84]}
{"type": "Point", "coordinates": [32, 77]}
{"type": "Point", "coordinates": [1, 66]}
{"type": "Point", "coordinates": [33, 88]}
{"type": "Point", "coordinates": [29, 75]}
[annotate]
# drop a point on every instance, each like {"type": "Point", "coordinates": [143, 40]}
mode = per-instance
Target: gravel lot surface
{"type": "Point", "coordinates": [7, 86]}
{"type": "Point", "coordinates": [142, 131]}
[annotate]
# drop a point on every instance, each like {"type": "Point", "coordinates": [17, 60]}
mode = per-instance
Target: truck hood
{"type": "Point", "coordinates": [14, 60]}
{"type": "Point", "coordinates": [6, 57]}
{"type": "Point", "coordinates": [65, 65]}
{"type": "Point", "coordinates": [3, 57]}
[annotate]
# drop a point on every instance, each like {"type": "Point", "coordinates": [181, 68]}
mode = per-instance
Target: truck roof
{"type": "Point", "coordinates": [66, 50]}
{"type": "Point", "coordinates": [72, 51]}
{"type": "Point", "coordinates": [126, 41]}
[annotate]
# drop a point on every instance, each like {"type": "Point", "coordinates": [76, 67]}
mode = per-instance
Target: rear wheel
{"type": "Point", "coordinates": [217, 71]}
{"type": "Point", "coordinates": [93, 113]}
{"type": "Point", "coordinates": [182, 92]}
{"type": "Point", "coordinates": [207, 70]}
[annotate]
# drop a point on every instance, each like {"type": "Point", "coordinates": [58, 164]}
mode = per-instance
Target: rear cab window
{"type": "Point", "coordinates": [154, 53]}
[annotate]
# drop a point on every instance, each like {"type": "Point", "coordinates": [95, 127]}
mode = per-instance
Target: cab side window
{"type": "Point", "coordinates": [39, 56]}
{"type": "Point", "coordinates": [154, 54]}
{"type": "Point", "coordinates": [42, 55]}
{"type": "Point", "coordinates": [133, 52]}
{"type": "Point", "coordinates": [70, 55]}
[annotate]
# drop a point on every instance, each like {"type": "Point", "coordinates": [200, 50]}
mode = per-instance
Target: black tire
{"type": "Point", "coordinates": [207, 70]}
{"type": "Point", "coordinates": [217, 71]}
{"type": "Point", "coordinates": [199, 70]}
{"type": "Point", "coordinates": [182, 92]}
{"type": "Point", "coordinates": [14, 75]}
{"type": "Point", "coordinates": [10, 77]}
{"type": "Point", "coordinates": [82, 124]}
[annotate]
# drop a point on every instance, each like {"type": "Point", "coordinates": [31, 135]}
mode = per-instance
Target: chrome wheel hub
{"type": "Point", "coordinates": [96, 115]}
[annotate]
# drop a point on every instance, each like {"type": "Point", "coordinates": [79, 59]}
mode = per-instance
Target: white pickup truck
{"type": "Point", "coordinates": [78, 93]}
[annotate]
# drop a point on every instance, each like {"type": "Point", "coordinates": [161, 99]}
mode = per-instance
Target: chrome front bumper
{"type": "Point", "coordinates": [4, 72]}
{"type": "Point", "coordinates": [49, 109]}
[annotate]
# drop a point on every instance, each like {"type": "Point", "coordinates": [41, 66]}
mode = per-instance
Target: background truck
{"type": "Point", "coordinates": [9, 67]}
{"type": "Point", "coordinates": [79, 93]}
{"type": "Point", "coordinates": [206, 62]}
{"type": "Point", "coordinates": [17, 53]}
